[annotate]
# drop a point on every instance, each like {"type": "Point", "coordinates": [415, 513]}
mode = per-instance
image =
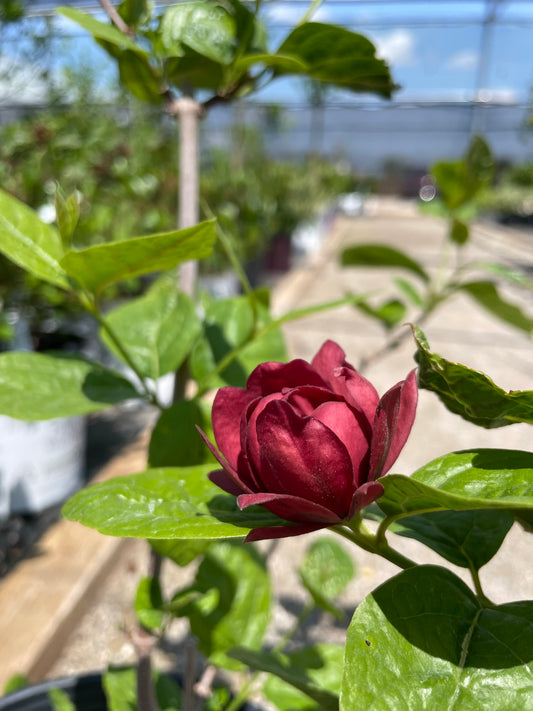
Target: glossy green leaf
{"type": "Point", "coordinates": [286, 63]}
{"type": "Point", "coordinates": [98, 266]}
{"type": "Point", "coordinates": [469, 393]}
{"type": "Point", "coordinates": [326, 570]}
{"type": "Point", "coordinates": [476, 479]}
{"type": "Point", "coordinates": [466, 538]}
{"type": "Point", "coordinates": [175, 441]}
{"type": "Point", "coordinates": [157, 330]}
{"type": "Point", "coordinates": [337, 56]}
{"type": "Point", "coordinates": [238, 575]}
{"type": "Point", "coordinates": [204, 27]}
{"type": "Point", "coordinates": [149, 603]}
{"type": "Point", "coordinates": [133, 12]}
{"type": "Point", "coordinates": [380, 255]}
{"type": "Point", "coordinates": [323, 665]}
{"type": "Point", "coordinates": [486, 295]}
{"type": "Point", "coordinates": [67, 214]}
{"type": "Point", "coordinates": [422, 641]}
{"type": "Point", "coordinates": [29, 242]}
{"type": "Point", "coordinates": [99, 30]}
{"type": "Point", "coordinates": [139, 77]}
{"type": "Point", "coordinates": [165, 503]}
{"type": "Point", "coordinates": [38, 386]}
{"type": "Point", "coordinates": [459, 232]}
{"type": "Point", "coordinates": [228, 325]}
{"type": "Point", "coordinates": [282, 666]}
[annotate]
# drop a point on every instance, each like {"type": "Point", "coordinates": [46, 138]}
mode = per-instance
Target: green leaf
{"type": "Point", "coordinates": [195, 70]}
{"type": "Point", "coordinates": [204, 27]}
{"type": "Point", "coordinates": [175, 441]}
{"type": "Point", "coordinates": [139, 77]}
{"type": "Point", "coordinates": [459, 232]}
{"type": "Point", "coordinates": [100, 30]}
{"type": "Point", "coordinates": [60, 700]}
{"type": "Point", "coordinates": [281, 666]}
{"type": "Point", "coordinates": [229, 325]}
{"type": "Point", "coordinates": [409, 290]}
{"type": "Point", "coordinates": [14, 683]}
{"type": "Point", "coordinates": [389, 314]}
{"type": "Point", "coordinates": [322, 663]}
{"type": "Point", "coordinates": [165, 503]}
{"type": "Point", "coordinates": [37, 386]}
{"type": "Point", "coordinates": [468, 393]}
{"type": "Point", "coordinates": [242, 610]}
{"type": "Point", "coordinates": [98, 266]}
{"type": "Point", "coordinates": [157, 330]}
{"type": "Point", "coordinates": [423, 641]}
{"type": "Point", "coordinates": [477, 479]}
{"type": "Point", "coordinates": [466, 538]}
{"type": "Point", "coordinates": [486, 294]}
{"type": "Point", "coordinates": [134, 12]}
{"type": "Point", "coordinates": [326, 570]}
{"type": "Point", "coordinates": [29, 242]}
{"type": "Point", "coordinates": [460, 181]}
{"type": "Point", "coordinates": [479, 161]}
{"type": "Point", "coordinates": [67, 214]}
{"type": "Point", "coordinates": [286, 63]}
{"type": "Point", "coordinates": [182, 552]}
{"type": "Point", "coordinates": [337, 56]}
{"type": "Point", "coordinates": [380, 255]}
{"type": "Point", "coordinates": [149, 603]}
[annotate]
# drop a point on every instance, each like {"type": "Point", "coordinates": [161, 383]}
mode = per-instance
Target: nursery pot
{"type": "Point", "coordinates": [85, 692]}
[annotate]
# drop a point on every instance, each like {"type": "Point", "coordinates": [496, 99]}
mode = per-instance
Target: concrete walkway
{"type": "Point", "coordinates": [459, 330]}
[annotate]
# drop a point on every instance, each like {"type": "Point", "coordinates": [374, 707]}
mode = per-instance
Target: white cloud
{"type": "Point", "coordinates": [466, 60]}
{"type": "Point", "coordinates": [284, 14]}
{"type": "Point", "coordinates": [396, 47]}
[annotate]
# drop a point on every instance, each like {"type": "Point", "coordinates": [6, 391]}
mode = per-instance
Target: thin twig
{"type": "Point", "coordinates": [116, 18]}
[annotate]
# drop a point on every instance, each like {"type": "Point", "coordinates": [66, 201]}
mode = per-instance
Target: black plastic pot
{"type": "Point", "coordinates": [85, 692]}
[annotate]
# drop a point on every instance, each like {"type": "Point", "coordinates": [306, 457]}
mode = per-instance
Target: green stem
{"type": "Point", "coordinates": [151, 396]}
{"type": "Point", "coordinates": [358, 533]}
{"type": "Point", "coordinates": [314, 6]}
{"type": "Point", "coordinates": [483, 599]}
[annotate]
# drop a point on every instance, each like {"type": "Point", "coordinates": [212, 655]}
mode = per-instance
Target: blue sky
{"type": "Point", "coordinates": [432, 47]}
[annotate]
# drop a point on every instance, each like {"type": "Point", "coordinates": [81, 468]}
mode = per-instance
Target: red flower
{"type": "Point", "coordinates": [308, 441]}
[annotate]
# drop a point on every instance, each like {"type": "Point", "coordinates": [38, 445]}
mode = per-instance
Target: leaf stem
{"type": "Point", "coordinates": [358, 533]}
{"type": "Point", "coordinates": [483, 599]}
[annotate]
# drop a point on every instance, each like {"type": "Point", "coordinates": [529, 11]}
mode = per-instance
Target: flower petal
{"type": "Point", "coordinates": [301, 456]}
{"type": "Point", "coordinates": [290, 508]}
{"type": "Point", "coordinates": [230, 471]}
{"type": "Point", "coordinates": [342, 420]}
{"type": "Point", "coordinates": [269, 532]}
{"type": "Point", "coordinates": [358, 392]}
{"type": "Point", "coordinates": [228, 406]}
{"type": "Point", "coordinates": [394, 418]}
{"type": "Point", "coordinates": [270, 378]}
{"type": "Point", "coordinates": [364, 496]}
{"type": "Point", "coordinates": [222, 479]}
{"type": "Point", "coordinates": [329, 357]}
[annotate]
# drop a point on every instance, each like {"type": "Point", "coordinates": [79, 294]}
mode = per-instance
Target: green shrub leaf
{"type": "Point", "coordinates": [37, 386]}
{"type": "Point", "coordinates": [380, 255]}
{"type": "Point", "coordinates": [423, 641]}
{"type": "Point", "coordinates": [103, 264]}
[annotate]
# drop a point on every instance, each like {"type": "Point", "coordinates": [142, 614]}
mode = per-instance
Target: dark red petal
{"type": "Point", "coordinates": [221, 478]}
{"type": "Point", "coordinates": [342, 420]}
{"type": "Point", "coordinates": [291, 508]}
{"type": "Point", "coordinates": [394, 418]}
{"type": "Point", "coordinates": [270, 378]}
{"type": "Point", "coordinates": [306, 398]}
{"type": "Point", "coordinates": [269, 532]}
{"type": "Point", "coordinates": [231, 472]}
{"type": "Point", "coordinates": [358, 392]}
{"type": "Point", "coordinates": [364, 496]}
{"type": "Point", "coordinates": [301, 456]}
{"type": "Point", "coordinates": [329, 357]}
{"type": "Point", "coordinates": [228, 406]}
{"type": "Point", "coordinates": [249, 441]}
